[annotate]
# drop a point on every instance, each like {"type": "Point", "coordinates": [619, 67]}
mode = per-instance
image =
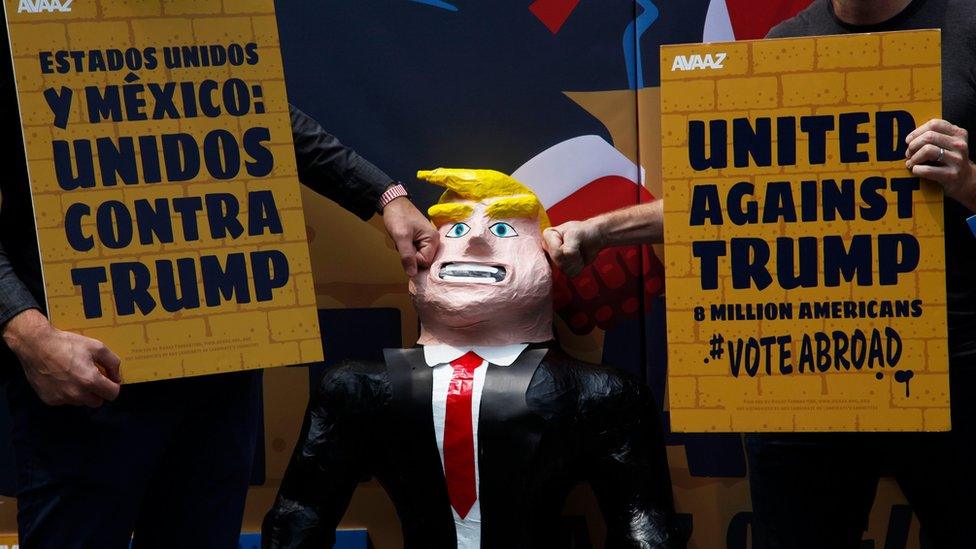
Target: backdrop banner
{"type": "Point", "coordinates": [164, 183]}
{"type": "Point", "coordinates": [806, 265]}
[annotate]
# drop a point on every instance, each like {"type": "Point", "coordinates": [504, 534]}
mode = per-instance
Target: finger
{"type": "Point", "coordinates": [928, 154]}
{"type": "Point", "coordinates": [572, 243]}
{"type": "Point", "coordinates": [552, 239]}
{"type": "Point", "coordinates": [425, 256]}
{"type": "Point", "coordinates": [937, 174]}
{"type": "Point", "coordinates": [103, 387]}
{"type": "Point", "coordinates": [427, 248]}
{"type": "Point", "coordinates": [109, 361]}
{"type": "Point", "coordinates": [937, 125]}
{"type": "Point", "coordinates": [408, 255]}
{"type": "Point", "coordinates": [572, 259]}
{"type": "Point", "coordinates": [948, 142]}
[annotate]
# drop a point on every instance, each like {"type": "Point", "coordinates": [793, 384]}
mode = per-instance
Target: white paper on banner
{"type": "Point", "coordinates": [563, 169]}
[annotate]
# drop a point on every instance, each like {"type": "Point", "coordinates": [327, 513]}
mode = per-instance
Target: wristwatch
{"type": "Point", "coordinates": [394, 191]}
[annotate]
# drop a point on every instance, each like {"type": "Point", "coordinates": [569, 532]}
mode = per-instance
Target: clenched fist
{"type": "Point", "coordinates": [415, 238]}
{"type": "Point", "coordinates": [604, 264]}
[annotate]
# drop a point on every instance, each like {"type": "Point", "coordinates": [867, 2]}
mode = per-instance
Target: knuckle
{"type": "Point", "coordinates": [88, 381]}
{"type": "Point", "coordinates": [71, 396]}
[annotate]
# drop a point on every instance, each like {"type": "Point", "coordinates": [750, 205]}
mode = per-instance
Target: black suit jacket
{"type": "Point", "coordinates": [547, 422]}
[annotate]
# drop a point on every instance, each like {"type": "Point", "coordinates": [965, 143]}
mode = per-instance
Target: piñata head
{"type": "Point", "coordinates": [490, 283]}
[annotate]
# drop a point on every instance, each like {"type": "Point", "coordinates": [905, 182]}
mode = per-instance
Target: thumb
{"type": "Point", "coordinates": [427, 246]}
{"type": "Point", "coordinates": [572, 260]}
{"type": "Point", "coordinates": [552, 239]}
{"type": "Point", "coordinates": [109, 361]}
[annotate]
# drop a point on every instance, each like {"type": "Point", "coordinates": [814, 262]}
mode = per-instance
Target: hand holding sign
{"type": "Point", "coordinates": [939, 151]}
{"type": "Point", "coordinates": [62, 367]}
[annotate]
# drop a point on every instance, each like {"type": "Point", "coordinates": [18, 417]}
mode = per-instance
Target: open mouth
{"type": "Point", "coordinates": [477, 273]}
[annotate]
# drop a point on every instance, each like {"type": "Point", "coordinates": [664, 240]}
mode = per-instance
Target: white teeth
{"type": "Point", "coordinates": [471, 272]}
{"type": "Point", "coordinates": [469, 267]}
{"type": "Point", "coordinates": [471, 279]}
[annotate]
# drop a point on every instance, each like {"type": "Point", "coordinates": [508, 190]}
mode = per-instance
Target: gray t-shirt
{"type": "Point", "coordinates": [957, 19]}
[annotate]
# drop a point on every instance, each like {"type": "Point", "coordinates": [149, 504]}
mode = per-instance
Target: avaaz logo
{"type": "Point", "coordinates": [696, 62]}
{"type": "Point", "coordinates": [44, 6]}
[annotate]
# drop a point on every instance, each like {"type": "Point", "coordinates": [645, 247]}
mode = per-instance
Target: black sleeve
{"type": "Point", "coordinates": [330, 458]}
{"type": "Point", "coordinates": [14, 296]}
{"type": "Point", "coordinates": [331, 169]}
{"type": "Point", "coordinates": [630, 475]}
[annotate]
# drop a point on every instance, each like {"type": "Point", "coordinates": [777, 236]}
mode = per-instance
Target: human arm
{"type": "Point", "coordinates": [337, 172]}
{"type": "Point", "coordinates": [575, 244]}
{"type": "Point", "coordinates": [62, 367]}
{"type": "Point", "coordinates": [329, 458]}
{"type": "Point", "coordinates": [939, 151]}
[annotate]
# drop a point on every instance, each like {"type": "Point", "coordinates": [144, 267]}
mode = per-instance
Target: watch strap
{"type": "Point", "coordinates": [391, 193]}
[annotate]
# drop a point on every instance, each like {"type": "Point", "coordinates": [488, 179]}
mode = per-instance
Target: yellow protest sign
{"type": "Point", "coordinates": [164, 182]}
{"type": "Point", "coordinates": [805, 263]}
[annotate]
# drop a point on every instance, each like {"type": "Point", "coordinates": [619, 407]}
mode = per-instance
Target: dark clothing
{"type": "Point", "coordinates": [816, 490]}
{"type": "Point", "coordinates": [169, 459]}
{"type": "Point", "coordinates": [546, 423]}
{"type": "Point", "coordinates": [957, 19]}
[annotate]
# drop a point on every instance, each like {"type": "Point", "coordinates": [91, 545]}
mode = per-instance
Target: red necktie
{"type": "Point", "coordinates": [459, 437]}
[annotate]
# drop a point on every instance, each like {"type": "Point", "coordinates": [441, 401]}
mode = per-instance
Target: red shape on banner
{"type": "Point", "coordinates": [601, 195]}
{"type": "Point", "coordinates": [459, 436]}
{"type": "Point", "coordinates": [752, 19]}
{"type": "Point", "coordinates": [553, 13]}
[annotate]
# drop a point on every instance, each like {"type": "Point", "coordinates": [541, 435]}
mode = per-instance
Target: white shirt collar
{"type": "Point", "coordinates": [501, 355]}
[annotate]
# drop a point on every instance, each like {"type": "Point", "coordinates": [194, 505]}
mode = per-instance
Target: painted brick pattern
{"type": "Point", "coordinates": [199, 341]}
{"type": "Point", "coordinates": [797, 77]}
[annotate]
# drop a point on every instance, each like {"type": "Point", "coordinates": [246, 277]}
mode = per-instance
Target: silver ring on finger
{"type": "Point", "coordinates": [941, 155]}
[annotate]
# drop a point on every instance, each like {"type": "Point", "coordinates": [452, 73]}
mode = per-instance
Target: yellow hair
{"type": "Point", "coordinates": [512, 199]}
{"type": "Point", "coordinates": [449, 212]}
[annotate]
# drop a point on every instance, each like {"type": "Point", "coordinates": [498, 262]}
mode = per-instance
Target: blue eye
{"type": "Point", "coordinates": [458, 230]}
{"type": "Point", "coordinates": [503, 230]}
